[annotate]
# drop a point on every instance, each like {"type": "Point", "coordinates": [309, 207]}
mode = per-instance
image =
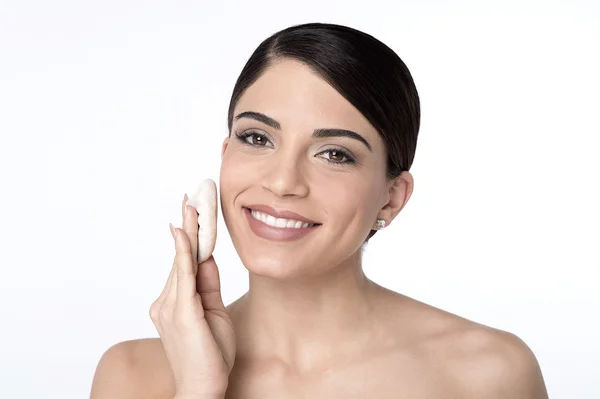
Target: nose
{"type": "Point", "coordinates": [285, 176]}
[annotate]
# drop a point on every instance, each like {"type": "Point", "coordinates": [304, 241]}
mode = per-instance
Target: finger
{"type": "Point", "coordinates": [186, 278]}
{"type": "Point", "coordinates": [165, 290]}
{"type": "Point", "coordinates": [183, 203]}
{"type": "Point", "coordinates": [171, 290]}
{"type": "Point", "coordinates": [165, 294]}
{"type": "Point", "coordinates": [190, 226]}
{"type": "Point", "coordinates": [208, 285]}
{"type": "Point", "coordinates": [165, 301]}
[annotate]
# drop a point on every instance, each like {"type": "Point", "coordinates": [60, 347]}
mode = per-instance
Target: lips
{"type": "Point", "coordinates": [277, 234]}
{"type": "Point", "coordinates": [283, 214]}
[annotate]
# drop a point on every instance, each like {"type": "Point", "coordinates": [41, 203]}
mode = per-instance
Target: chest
{"type": "Point", "coordinates": [382, 380]}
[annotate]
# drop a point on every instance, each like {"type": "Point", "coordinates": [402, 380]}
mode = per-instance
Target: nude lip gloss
{"type": "Point", "coordinates": [276, 233]}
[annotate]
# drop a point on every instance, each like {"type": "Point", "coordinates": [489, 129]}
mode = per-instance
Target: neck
{"type": "Point", "coordinates": [305, 322]}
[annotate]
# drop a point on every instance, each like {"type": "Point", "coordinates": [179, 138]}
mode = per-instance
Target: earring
{"type": "Point", "coordinates": [380, 224]}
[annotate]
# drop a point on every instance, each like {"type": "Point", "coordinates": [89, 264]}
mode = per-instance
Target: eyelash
{"type": "Point", "coordinates": [349, 159]}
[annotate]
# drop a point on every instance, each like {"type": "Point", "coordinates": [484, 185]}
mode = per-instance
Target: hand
{"type": "Point", "coordinates": [194, 327]}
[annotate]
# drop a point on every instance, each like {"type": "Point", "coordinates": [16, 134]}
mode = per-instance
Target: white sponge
{"type": "Point", "coordinates": [204, 199]}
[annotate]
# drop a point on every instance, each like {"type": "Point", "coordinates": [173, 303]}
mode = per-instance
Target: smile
{"type": "Point", "coordinates": [279, 222]}
{"type": "Point", "coordinates": [280, 229]}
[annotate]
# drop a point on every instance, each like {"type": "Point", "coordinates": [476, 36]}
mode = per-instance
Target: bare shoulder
{"type": "Point", "coordinates": [491, 363]}
{"type": "Point", "coordinates": [473, 360]}
{"type": "Point", "coordinates": [133, 369]}
{"type": "Point", "coordinates": [479, 361]}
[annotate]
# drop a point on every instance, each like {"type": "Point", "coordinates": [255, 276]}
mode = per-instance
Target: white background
{"type": "Point", "coordinates": [111, 110]}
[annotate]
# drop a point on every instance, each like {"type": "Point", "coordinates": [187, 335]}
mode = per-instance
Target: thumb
{"type": "Point", "coordinates": [208, 285]}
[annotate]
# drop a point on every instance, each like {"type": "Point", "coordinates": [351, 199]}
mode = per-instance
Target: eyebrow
{"type": "Point", "coordinates": [317, 133]}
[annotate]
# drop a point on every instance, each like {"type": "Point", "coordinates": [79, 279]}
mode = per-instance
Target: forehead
{"type": "Point", "coordinates": [291, 93]}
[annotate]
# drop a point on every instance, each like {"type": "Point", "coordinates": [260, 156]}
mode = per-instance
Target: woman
{"type": "Point", "coordinates": [323, 126]}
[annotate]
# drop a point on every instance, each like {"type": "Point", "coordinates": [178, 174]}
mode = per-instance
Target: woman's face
{"type": "Point", "coordinates": [278, 160]}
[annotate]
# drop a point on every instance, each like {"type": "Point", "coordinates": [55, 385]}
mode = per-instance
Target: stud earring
{"type": "Point", "coordinates": [380, 224]}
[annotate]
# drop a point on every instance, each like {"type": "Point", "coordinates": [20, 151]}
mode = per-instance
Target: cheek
{"type": "Point", "coordinates": [232, 176]}
{"type": "Point", "coordinates": [237, 161]}
{"type": "Point", "coordinates": [350, 200]}
{"type": "Point", "coordinates": [238, 173]}
{"type": "Point", "coordinates": [234, 166]}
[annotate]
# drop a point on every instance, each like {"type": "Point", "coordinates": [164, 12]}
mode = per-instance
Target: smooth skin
{"type": "Point", "coordinates": [312, 325]}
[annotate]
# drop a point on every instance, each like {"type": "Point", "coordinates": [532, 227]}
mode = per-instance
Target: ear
{"type": "Point", "coordinates": [224, 147]}
{"type": "Point", "coordinates": [399, 191]}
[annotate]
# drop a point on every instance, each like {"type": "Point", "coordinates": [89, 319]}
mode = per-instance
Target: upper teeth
{"type": "Point", "coordinates": [279, 222]}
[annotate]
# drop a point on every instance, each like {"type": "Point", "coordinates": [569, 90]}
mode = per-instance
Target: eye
{"type": "Point", "coordinates": [253, 139]}
{"type": "Point", "coordinates": [338, 156]}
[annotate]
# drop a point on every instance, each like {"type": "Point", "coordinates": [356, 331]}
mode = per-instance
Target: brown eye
{"type": "Point", "coordinates": [256, 139]}
{"type": "Point", "coordinates": [336, 156]}
{"type": "Point", "coordinates": [253, 139]}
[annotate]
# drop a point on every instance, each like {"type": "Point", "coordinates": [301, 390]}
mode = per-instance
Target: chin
{"type": "Point", "coordinates": [284, 267]}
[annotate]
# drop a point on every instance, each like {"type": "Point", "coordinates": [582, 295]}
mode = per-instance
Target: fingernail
{"type": "Point", "coordinates": [173, 232]}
